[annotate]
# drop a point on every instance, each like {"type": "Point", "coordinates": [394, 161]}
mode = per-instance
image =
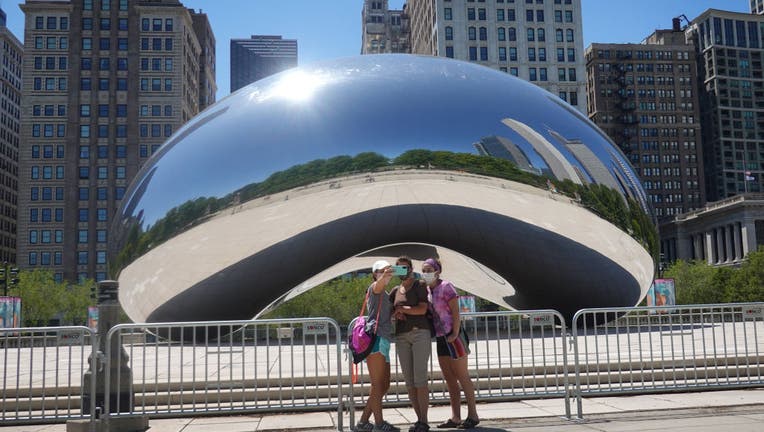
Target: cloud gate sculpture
{"type": "Point", "coordinates": [320, 170]}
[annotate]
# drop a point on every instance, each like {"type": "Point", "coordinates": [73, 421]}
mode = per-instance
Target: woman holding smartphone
{"type": "Point", "coordinates": [451, 346]}
{"type": "Point", "coordinates": [413, 338]}
{"type": "Point", "coordinates": [378, 361]}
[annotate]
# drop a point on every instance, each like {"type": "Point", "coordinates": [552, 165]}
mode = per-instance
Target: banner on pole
{"type": "Point", "coordinates": [10, 312]}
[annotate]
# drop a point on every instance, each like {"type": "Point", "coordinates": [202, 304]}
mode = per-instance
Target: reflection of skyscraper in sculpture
{"type": "Point", "coordinates": [501, 147]}
{"type": "Point", "coordinates": [558, 165]}
{"type": "Point", "coordinates": [592, 165]}
{"type": "Point", "coordinates": [630, 184]}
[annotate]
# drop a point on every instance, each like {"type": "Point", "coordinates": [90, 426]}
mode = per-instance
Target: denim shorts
{"type": "Point", "coordinates": [382, 346]}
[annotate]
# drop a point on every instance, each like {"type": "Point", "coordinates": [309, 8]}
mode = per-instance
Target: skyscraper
{"type": "Point", "coordinates": [207, 78]}
{"type": "Point", "coordinates": [730, 51]}
{"type": "Point", "coordinates": [644, 97]}
{"type": "Point", "coordinates": [260, 56]}
{"type": "Point", "coordinates": [384, 30]}
{"type": "Point", "coordinates": [539, 41]}
{"type": "Point", "coordinates": [10, 109]}
{"type": "Point", "coordinates": [105, 84]}
{"type": "Point", "coordinates": [757, 6]}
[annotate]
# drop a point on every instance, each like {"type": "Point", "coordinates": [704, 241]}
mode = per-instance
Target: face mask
{"type": "Point", "coordinates": [429, 277]}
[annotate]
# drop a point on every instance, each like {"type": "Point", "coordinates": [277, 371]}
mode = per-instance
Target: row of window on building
{"type": "Point", "coordinates": [46, 172]}
{"type": "Point", "coordinates": [736, 33]}
{"type": "Point", "coordinates": [510, 34]}
{"type": "Point", "coordinates": [643, 54]}
{"type": "Point", "coordinates": [101, 110]}
{"type": "Point", "coordinates": [46, 193]}
{"type": "Point", "coordinates": [531, 15]}
{"type": "Point", "coordinates": [47, 214]}
{"type": "Point", "coordinates": [669, 185]}
{"type": "Point", "coordinates": [510, 54]}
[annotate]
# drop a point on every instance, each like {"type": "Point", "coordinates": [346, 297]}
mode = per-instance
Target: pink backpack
{"type": "Point", "coordinates": [360, 339]}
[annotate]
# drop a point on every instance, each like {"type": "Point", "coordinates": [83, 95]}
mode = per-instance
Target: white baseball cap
{"type": "Point", "coordinates": [379, 265]}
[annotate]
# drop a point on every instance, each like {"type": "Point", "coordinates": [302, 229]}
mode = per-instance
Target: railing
{"type": "Point", "coordinates": [203, 368]}
{"type": "Point", "coordinates": [41, 374]}
{"type": "Point", "coordinates": [226, 367]}
{"type": "Point", "coordinates": [514, 355]}
{"type": "Point", "coordinates": [660, 349]}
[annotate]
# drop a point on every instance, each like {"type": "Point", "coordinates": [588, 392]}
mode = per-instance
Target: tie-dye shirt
{"type": "Point", "coordinates": [441, 312]}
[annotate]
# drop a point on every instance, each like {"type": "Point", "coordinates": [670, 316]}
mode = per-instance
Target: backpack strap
{"type": "Point", "coordinates": [363, 306]}
{"type": "Point", "coordinates": [379, 309]}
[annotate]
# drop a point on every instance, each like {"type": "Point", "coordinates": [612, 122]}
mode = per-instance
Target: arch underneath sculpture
{"type": "Point", "coordinates": [546, 253]}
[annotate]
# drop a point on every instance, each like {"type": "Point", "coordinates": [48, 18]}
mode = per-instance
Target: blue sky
{"type": "Point", "coordinates": [332, 28]}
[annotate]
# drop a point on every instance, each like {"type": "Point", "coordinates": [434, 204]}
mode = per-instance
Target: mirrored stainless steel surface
{"type": "Point", "coordinates": [297, 178]}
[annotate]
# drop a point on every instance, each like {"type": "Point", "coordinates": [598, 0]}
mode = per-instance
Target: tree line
{"type": "Point", "coordinates": [45, 301]}
{"type": "Point", "coordinates": [696, 282]}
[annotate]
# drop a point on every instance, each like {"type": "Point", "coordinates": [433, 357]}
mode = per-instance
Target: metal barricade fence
{"type": "Point", "coordinates": [227, 366]}
{"type": "Point", "coordinates": [660, 349]}
{"type": "Point", "coordinates": [296, 364]}
{"type": "Point", "coordinates": [514, 355]}
{"type": "Point", "coordinates": [42, 369]}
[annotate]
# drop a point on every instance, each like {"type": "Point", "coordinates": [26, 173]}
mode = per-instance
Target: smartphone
{"type": "Point", "coordinates": [400, 270]}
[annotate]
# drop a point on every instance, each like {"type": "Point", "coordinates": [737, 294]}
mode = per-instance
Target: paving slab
{"type": "Point", "coordinates": [166, 425]}
{"type": "Point", "coordinates": [738, 410]}
{"type": "Point", "coordinates": [295, 421]}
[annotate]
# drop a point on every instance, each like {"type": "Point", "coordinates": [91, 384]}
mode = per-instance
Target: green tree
{"type": "Point", "coordinates": [368, 161]}
{"type": "Point", "coordinates": [694, 282]}
{"type": "Point", "coordinates": [76, 300]}
{"type": "Point", "coordinates": [747, 282]}
{"type": "Point", "coordinates": [41, 297]}
{"type": "Point", "coordinates": [699, 283]}
{"type": "Point", "coordinates": [339, 299]}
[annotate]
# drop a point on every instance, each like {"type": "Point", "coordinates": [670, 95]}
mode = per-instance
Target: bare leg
{"type": "Point", "coordinates": [459, 368]}
{"type": "Point", "coordinates": [379, 374]}
{"type": "Point", "coordinates": [423, 401]}
{"type": "Point", "coordinates": [449, 375]}
{"type": "Point", "coordinates": [414, 398]}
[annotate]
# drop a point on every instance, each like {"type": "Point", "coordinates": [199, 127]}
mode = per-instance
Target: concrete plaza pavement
{"type": "Point", "coordinates": [724, 410]}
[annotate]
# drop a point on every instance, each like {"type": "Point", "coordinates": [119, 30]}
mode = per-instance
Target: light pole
{"type": "Point", "coordinates": [8, 277]}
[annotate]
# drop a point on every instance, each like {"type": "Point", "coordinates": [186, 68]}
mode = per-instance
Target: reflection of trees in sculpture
{"type": "Point", "coordinates": [609, 204]}
{"type": "Point", "coordinates": [311, 172]}
{"type": "Point", "coordinates": [606, 202]}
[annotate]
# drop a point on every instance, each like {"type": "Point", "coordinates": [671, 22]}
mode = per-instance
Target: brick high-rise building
{"type": "Point", "coordinates": [260, 56]}
{"type": "Point", "coordinates": [539, 41]}
{"type": "Point", "coordinates": [384, 30]}
{"type": "Point", "coordinates": [10, 109]}
{"type": "Point", "coordinates": [644, 97]}
{"type": "Point", "coordinates": [105, 83]}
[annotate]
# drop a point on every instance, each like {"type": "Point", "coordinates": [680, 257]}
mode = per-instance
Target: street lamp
{"type": "Point", "coordinates": [662, 265]}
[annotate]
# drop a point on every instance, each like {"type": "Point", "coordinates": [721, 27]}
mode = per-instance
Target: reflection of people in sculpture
{"type": "Point", "coordinates": [447, 323]}
{"type": "Point", "coordinates": [412, 339]}
{"type": "Point", "coordinates": [378, 361]}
